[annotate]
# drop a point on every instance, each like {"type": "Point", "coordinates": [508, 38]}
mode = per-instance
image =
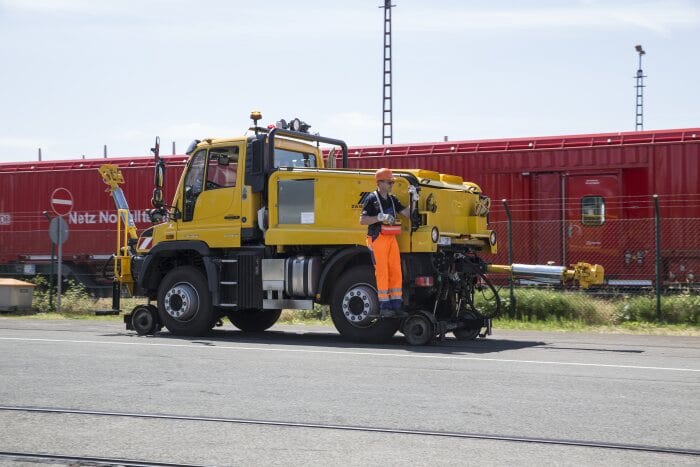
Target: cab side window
{"type": "Point", "coordinates": [194, 183]}
{"type": "Point", "coordinates": [285, 158]}
{"type": "Point", "coordinates": [195, 175]}
{"type": "Point", "coordinates": [222, 168]}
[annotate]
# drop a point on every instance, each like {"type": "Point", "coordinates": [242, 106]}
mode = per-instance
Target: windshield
{"type": "Point", "coordinates": [285, 158]}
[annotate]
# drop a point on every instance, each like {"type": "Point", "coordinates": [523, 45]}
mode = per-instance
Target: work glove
{"type": "Point", "coordinates": [383, 217]}
{"type": "Point", "coordinates": [413, 192]}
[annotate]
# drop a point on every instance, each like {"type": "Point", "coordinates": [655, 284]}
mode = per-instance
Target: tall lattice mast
{"type": "Point", "coordinates": [387, 125]}
{"type": "Point", "coordinates": [639, 118]}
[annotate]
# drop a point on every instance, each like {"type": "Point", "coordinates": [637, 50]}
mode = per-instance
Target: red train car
{"type": "Point", "coordinates": [26, 191]}
{"type": "Point", "coordinates": [579, 197]}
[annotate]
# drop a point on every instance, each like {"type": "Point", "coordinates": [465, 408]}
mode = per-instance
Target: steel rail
{"type": "Point", "coordinates": [26, 456]}
{"type": "Point", "coordinates": [369, 429]}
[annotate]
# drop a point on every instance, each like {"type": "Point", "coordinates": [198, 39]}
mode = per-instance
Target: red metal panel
{"type": "Point", "coordinates": [585, 239]}
{"type": "Point", "coordinates": [546, 234]}
{"type": "Point", "coordinates": [25, 189]}
{"type": "Point", "coordinates": [665, 162]}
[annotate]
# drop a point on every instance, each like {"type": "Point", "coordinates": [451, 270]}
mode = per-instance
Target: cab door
{"type": "Point", "coordinates": [212, 201]}
{"type": "Point", "coordinates": [592, 211]}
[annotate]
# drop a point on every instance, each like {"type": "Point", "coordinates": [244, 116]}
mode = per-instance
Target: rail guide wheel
{"type": "Point", "coordinates": [145, 320]}
{"type": "Point", "coordinates": [419, 328]}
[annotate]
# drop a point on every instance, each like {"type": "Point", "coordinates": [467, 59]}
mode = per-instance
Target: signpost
{"type": "Point", "coordinates": [62, 204]}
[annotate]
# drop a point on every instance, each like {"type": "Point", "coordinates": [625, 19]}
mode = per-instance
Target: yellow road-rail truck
{"type": "Point", "coordinates": [262, 223]}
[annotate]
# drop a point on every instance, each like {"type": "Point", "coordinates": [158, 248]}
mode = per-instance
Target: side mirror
{"type": "Point", "coordinates": [254, 173]}
{"type": "Point", "coordinates": [159, 176]}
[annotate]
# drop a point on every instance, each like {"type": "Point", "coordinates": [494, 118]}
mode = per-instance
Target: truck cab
{"type": "Point", "coordinates": [220, 193]}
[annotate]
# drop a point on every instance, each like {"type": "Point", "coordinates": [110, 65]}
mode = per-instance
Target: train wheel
{"type": "Point", "coordinates": [418, 329]}
{"type": "Point", "coordinates": [144, 319]}
{"type": "Point", "coordinates": [355, 308]}
{"type": "Point", "coordinates": [184, 303]}
{"type": "Point", "coordinates": [467, 334]}
{"type": "Point", "coordinates": [254, 320]}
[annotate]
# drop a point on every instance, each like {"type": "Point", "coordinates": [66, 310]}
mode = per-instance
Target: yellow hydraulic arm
{"type": "Point", "coordinates": [586, 274]}
{"type": "Point", "coordinates": [126, 229]}
{"type": "Point", "coordinates": [113, 177]}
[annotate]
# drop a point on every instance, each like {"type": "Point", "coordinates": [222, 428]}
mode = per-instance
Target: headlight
{"type": "Point", "coordinates": [435, 235]}
{"type": "Point", "coordinates": [492, 237]}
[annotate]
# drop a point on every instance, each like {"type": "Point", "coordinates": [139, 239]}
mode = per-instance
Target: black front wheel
{"type": "Point", "coordinates": [254, 320]}
{"type": "Point", "coordinates": [184, 302]}
{"type": "Point", "coordinates": [355, 308]}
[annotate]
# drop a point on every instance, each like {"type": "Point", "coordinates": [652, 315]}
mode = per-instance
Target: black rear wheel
{"type": "Point", "coordinates": [466, 334]}
{"type": "Point", "coordinates": [355, 308]}
{"type": "Point", "coordinates": [254, 320]}
{"type": "Point", "coordinates": [418, 329]}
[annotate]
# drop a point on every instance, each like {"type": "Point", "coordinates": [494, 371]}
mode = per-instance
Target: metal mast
{"type": "Point", "coordinates": [387, 125]}
{"type": "Point", "coordinates": [639, 119]}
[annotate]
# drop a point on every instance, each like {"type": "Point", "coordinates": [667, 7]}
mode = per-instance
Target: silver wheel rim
{"type": "Point", "coordinates": [181, 301]}
{"type": "Point", "coordinates": [360, 306]}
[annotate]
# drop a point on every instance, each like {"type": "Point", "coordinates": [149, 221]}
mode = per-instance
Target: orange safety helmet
{"type": "Point", "coordinates": [383, 174]}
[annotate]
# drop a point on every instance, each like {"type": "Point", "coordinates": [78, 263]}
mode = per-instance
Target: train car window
{"type": "Point", "coordinates": [592, 210]}
{"type": "Point", "coordinates": [222, 168]}
{"type": "Point", "coordinates": [284, 158]}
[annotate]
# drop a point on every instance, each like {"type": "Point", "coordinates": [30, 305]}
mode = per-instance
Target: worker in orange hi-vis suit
{"type": "Point", "coordinates": [379, 213]}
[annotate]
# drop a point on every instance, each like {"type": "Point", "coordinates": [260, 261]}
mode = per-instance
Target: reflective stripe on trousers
{"type": "Point", "coordinates": [387, 270]}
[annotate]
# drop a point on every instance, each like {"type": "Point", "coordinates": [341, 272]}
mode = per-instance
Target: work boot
{"type": "Point", "coordinates": [397, 306]}
{"type": "Point", "coordinates": [387, 313]}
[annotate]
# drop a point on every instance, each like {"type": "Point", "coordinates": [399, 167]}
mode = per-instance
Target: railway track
{"type": "Point", "coordinates": [322, 426]}
{"type": "Point", "coordinates": [85, 460]}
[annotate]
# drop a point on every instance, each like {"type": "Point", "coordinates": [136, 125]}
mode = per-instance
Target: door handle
{"type": "Point", "coordinates": [232, 217]}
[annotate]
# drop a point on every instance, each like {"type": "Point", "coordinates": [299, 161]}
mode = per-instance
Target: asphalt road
{"type": "Point", "coordinates": [300, 395]}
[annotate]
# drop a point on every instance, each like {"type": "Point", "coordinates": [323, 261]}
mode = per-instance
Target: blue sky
{"type": "Point", "coordinates": [78, 74]}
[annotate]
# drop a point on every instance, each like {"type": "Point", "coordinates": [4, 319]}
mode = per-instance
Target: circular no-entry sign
{"type": "Point", "coordinates": [61, 201]}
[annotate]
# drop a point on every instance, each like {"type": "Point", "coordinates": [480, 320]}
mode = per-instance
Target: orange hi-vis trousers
{"type": "Point", "coordinates": [387, 270]}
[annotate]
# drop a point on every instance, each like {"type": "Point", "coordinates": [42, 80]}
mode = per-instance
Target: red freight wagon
{"type": "Point", "coordinates": [26, 190]}
{"type": "Point", "coordinates": [580, 197]}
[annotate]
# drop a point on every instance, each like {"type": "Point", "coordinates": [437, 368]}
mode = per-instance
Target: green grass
{"type": "Point", "coordinates": [547, 305]}
{"type": "Point", "coordinates": [537, 309]}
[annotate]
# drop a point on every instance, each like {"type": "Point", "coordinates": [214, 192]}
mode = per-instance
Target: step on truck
{"type": "Point", "coordinates": [263, 222]}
